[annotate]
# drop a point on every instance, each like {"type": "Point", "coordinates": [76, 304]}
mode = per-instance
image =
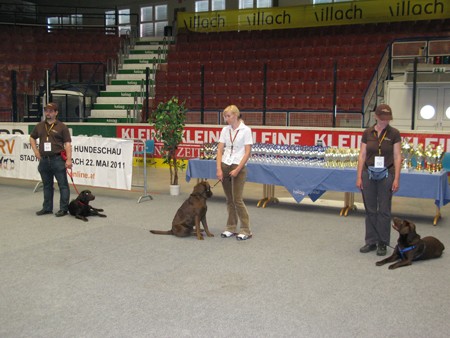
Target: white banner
{"type": "Point", "coordinates": [97, 161]}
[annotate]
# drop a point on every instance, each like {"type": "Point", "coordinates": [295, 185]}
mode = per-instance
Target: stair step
{"type": "Point", "coordinates": [148, 56]}
{"type": "Point", "coordinates": [135, 84]}
{"type": "Point", "coordinates": [136, 77]}
{"type": "Point", "coordinates": [136, 71]}
{"type": "Point", "coordinates": [129, 66]}
{"type": "Point", "coordinates": [116, 103]}
{"type": "Point", "coordinates": [118, 100]}
{"type": "Point", "coordinates": [127, 82]}
{"type": "Point", "coordinates": [118, 94]}
{"type": "Point", "coordinates": [123, 88]}
{"type": "Point", "coordinates": [108, 120]}
{"type": "Point", "coordinates": [115, 107]}
{"type": "Point", "coordinates": [141, 61]}
{"type": "Point", "coordinates": [142, 42]}
{"type": "Point", "coordinates": [147, 48]}
{"type": "Point", "coordinates": [114, 114]}
{"type": "Point", "coordinates": [146, 52]}
{"type": "Point", "coordinates": [31, 118]}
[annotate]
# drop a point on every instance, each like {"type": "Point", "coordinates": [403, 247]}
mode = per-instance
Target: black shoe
{"type": "Point", "coordinates": [43, 212]}
{"type": "Point", "coordinates": [368, 248]}
{"type": "Point", "coordinates": [381, 250]}
{"type": "Point", "coordinates": [61, 213]}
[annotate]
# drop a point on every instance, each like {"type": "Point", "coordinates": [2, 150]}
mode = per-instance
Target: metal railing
{"type": "Point", "coordinates": [142, 144]}
{"type": "Point", "coordinates": [374, 93]}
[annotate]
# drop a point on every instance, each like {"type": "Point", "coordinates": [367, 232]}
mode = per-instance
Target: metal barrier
{"type": "Point", "coordinates": [148, 147]}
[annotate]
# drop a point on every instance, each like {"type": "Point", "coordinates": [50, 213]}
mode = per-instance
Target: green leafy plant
{"type": "Point", "coordinates": [169, 120]}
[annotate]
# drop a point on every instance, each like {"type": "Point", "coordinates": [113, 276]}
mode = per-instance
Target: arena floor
{"type": "Point", "coordinates": [301, 275]}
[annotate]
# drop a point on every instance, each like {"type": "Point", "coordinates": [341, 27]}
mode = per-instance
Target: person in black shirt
{"type": "Point", "coordinates": [54, 138]}
{"type": "Point", "coordinates": [380, 149]}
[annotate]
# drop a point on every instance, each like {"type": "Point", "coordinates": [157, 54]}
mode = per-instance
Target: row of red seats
{"type": "Point", "coordinates": [346, 102]}
{"type": "Point", "coordinates": [264, 55]}
{"type": "Point", "coordinates": [354, 87]}
{"type": "Point", "coordinates": [298, 61]}
{"type": "Point", "coordinates": [261, 44]}
{"type": "Point", "coordinates": [278, 118]}
{"type": "Point", "coordinates": [286, 64]}
{"type": "Point", "coordinates": [32, 50]}
{"type": "Point", "coordinates": [47, 60]}
{"type": "Point", "coordinates": [294, 77]}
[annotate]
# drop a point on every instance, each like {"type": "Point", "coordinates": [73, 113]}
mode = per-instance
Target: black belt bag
{"type": "Point", "coordinates": [377, 174]}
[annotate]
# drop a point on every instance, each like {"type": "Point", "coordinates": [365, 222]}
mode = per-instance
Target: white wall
{"type": "Point", "coordinates": [399, 96]}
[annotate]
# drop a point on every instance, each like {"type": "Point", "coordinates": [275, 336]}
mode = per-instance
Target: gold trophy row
{"type": "Point", "coordinates": [336, 157]}
{"type": "Point", "coordinates": [426, 159]}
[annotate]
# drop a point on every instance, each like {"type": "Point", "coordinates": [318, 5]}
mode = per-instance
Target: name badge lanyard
{"type": "Point", "coordinates": [232, 140]}
{"type": "Point", "coordinates": [380, 141]}
{"type": "Point", "coordinates": [48, 130]}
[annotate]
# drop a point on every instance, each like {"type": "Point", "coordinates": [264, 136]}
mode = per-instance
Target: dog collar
{"type": "Point", "coordinates": [79, 202]}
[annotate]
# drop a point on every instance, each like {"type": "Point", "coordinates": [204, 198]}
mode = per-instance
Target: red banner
{"type": "Point", "coordinates": [195, 136]}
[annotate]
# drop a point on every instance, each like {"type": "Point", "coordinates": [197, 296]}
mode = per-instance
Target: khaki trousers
{"type": "Point", "coordinates": [233, 188]}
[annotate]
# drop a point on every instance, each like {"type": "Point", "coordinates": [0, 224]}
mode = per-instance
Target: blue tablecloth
{"type": "Point", "coordinates": [314, 181]}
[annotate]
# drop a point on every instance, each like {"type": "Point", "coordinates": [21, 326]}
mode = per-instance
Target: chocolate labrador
{"type": "Point", "coordinates": [410, 247]}
{"type": "Point", "coordinates": [80, 207]}
{"type": "Point", "coordinates": [191, 213]}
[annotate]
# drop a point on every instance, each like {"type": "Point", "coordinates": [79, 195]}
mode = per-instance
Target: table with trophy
{"type": "Point", "coordinates": [310, 171]}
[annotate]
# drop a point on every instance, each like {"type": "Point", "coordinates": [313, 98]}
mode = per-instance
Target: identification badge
{"type": "Point", "coordinates": [379, 162]}
{"type": "Point", "coordinates": [47, 146]}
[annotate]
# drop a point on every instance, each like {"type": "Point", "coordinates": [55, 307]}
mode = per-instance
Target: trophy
{"type": "Point", "coordinates": [208, 151]}
{"type": "Point", "coordinates": [419, 154]}
{"type": "Point", "coordinates": [345, 157]}
{"type": "Point", "coordinates": [430, 158]}
{"type": "Point", "coordinates": [321, 155]}
{"type": "Point", "coordinates": [439, 154]}
{"type": "Point", "coordinates": [334, 157]}
{"type": "Point", "coordinates": [328, 157]}
{"type": "Point", "coordinates": [407, 154]}
{"type": "Point", "coordinates": [354, 157]}
{"type": "Point", "coordinates": [203, 150]}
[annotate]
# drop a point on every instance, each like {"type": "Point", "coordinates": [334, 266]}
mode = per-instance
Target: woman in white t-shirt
{"type": "Point", "coordinates": [234, 149]}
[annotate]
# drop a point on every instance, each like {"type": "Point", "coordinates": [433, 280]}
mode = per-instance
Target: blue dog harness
{"type": "Point", "coordinates": [409, 248]}
{"type": "Point", "coordinates": [402, 251]}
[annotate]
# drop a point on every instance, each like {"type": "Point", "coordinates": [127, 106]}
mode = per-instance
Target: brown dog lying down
{"type": "Point", "coordinates": [80, 207]}
{"type": "Point", "coordinates": [410, 247]}
{"type": "Point", "coordinates": [190, 214]}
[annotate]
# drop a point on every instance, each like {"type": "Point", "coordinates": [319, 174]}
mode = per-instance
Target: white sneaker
{"type": "Point", "coordinates": [242, 237]}
{"type": "Point", "coordinates": [227, 234]}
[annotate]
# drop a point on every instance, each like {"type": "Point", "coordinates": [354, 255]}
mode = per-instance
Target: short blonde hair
{"type": "Point", "coordinates": [232, 109]}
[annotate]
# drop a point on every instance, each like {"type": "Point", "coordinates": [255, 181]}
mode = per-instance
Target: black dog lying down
{"type": "Point", "coordinates": [410, 247]}
{"type": "Point", "coordinates": [80, 207]}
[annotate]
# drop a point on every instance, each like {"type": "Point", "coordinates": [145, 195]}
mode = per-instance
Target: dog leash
{"type": "Point", "coordinates": [64, 157]}
{"type": "Point", "coordinates": [71, 178]}
{"type": "Point", "coordinates": [219, 181]}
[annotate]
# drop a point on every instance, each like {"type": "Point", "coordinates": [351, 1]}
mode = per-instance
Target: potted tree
{"type": "Point", "coordinates": [168, 120]}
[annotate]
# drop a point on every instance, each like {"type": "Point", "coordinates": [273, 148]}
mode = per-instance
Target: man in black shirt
{"type": "Point", "coordinates": [54, 138]}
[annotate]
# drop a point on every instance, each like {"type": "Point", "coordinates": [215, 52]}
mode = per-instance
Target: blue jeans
{"type": "Point", "coordinates": [49, 168]}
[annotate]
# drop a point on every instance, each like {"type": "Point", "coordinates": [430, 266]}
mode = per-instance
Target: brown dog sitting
{"type": "Point", "coordinates": [191, 213]}
{"type": "Point", "coordinates": [410, 247]}
{"type": "Point", "coordinates": [80, 207]}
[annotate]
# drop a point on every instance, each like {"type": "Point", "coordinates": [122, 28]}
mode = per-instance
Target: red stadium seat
{"type": "Point", "coordinates": [210, 102]}
{"type": "Point", "coordinates": [274, 102]}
